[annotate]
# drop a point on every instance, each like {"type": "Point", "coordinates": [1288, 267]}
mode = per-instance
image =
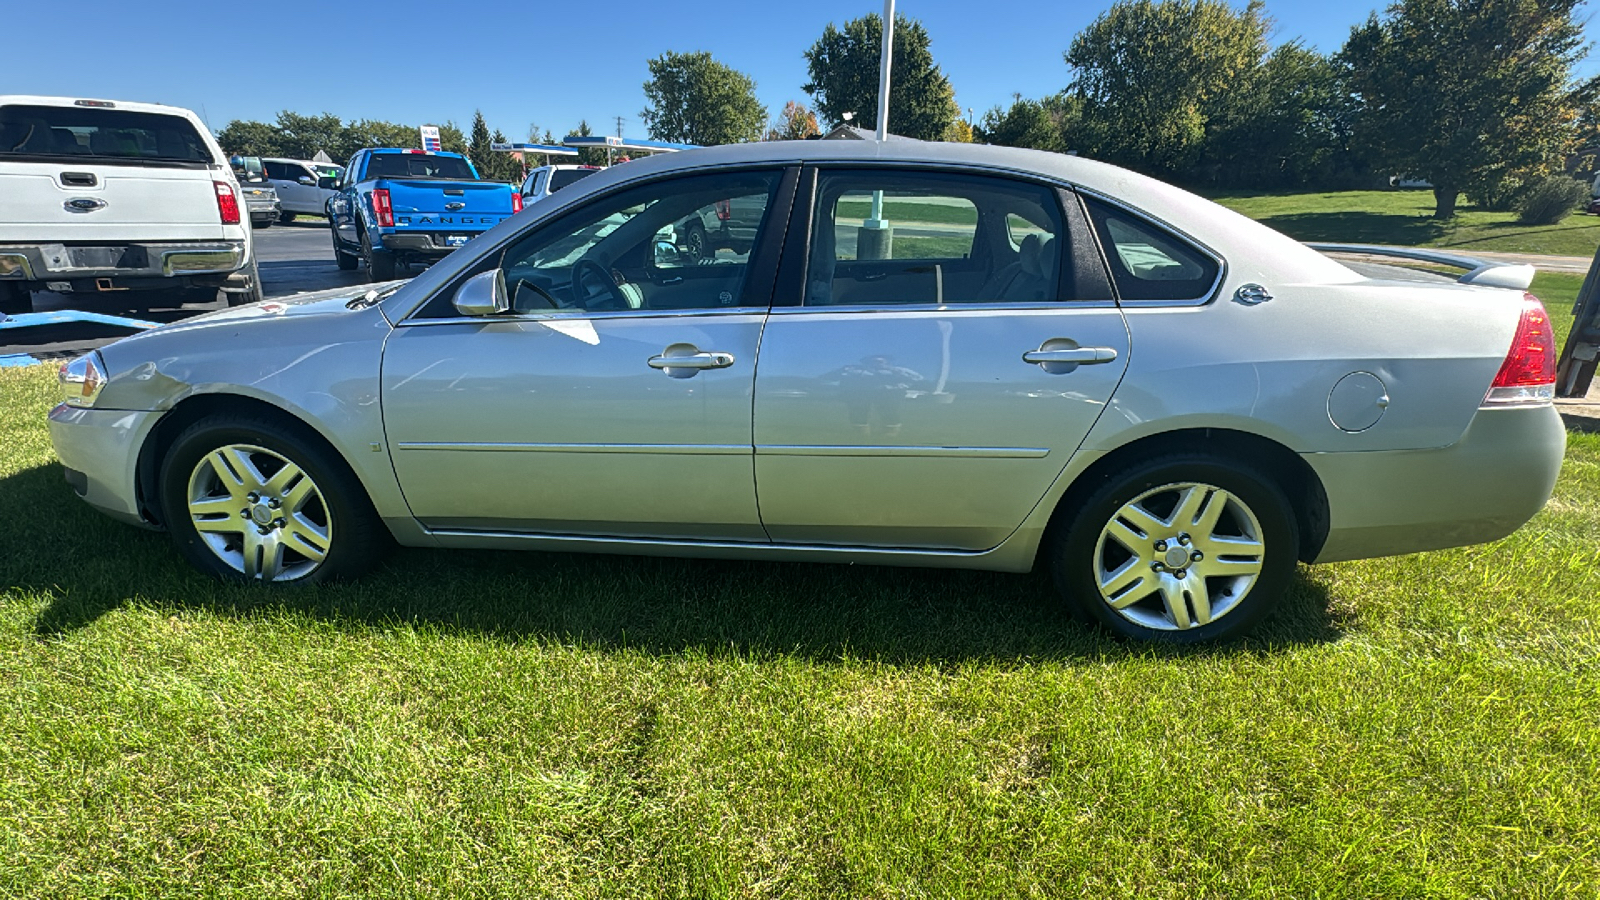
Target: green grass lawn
{"type": "Point", "coordinates": [521, 725]}
{"type": "Point", "coordinates": [1402, 217]}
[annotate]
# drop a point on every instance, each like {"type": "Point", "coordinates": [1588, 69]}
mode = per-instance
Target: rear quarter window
{"type": "Point", "coordinates": [1148, 262]}
{"type": "Point", "coordinates": [85, 133]}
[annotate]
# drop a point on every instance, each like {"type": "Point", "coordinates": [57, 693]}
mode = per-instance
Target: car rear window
{"type": "Point", "coordinates": [87, 133]}
{"type": "Point", "coordinates": [419, 165]}
{"type": "Point", "coordinates": [560, 178]}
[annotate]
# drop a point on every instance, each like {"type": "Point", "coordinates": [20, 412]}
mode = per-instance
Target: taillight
{"type": "Point", "coordinates": [724, 210]}
{"type": "Point", "coordinates": [227, 203]}
{"type": "Point", "coordinates": [1528, 376]}
{"type": "Point", "coordinates": [516, 203]}
{"type": "Point", "coordinates": [382, 209]}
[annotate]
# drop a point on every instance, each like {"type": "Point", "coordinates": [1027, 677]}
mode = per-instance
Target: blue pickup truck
{"type": "Point", "coordinates": [397, 207]}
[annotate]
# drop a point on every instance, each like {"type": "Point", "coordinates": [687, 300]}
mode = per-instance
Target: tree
{"type": "Point", "coordinates": [694, 99]}
{"type": "Point", "coordinates": [373, 133]}
{"type": "Point", "coordinates": [795, 123]}
{"type": "Point", "coordinates": [1151, 73]}
{"type": "Point", "coordinates": [300, 137]}
{"type": "Point", "coordinates": [1460, 92]}
{"type": "Point", "coordinates": [451, 138]}
{"type": "Point", "coordinates": [478, 144]}
{"type": "Point", "coordinates": [246, 138]}
{"type": "Point", "coordinates": [1028, 123]}
{"type": "Point", "coordinates": [1285, 123]}
{"type": "Point", "coordinates": [844, 68]}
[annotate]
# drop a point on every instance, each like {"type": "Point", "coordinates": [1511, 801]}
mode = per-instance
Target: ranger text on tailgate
{"type": "Point", "coordinates": [396, 207]}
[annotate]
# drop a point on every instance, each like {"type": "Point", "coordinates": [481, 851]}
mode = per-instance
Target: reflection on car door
{"type": "Point", "coordinates": [589, 410]}
{"type": "Point", "coordinates": [947, 357]}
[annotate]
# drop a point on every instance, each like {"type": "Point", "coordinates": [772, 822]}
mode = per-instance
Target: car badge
{"type": "Point", "coordinates": [84, 204]}
{"type": "Point", "coordinates": [1251, 295]}
{"type": "Point", "coordinates": [453, 206]}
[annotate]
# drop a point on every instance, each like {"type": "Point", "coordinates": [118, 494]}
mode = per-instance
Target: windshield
{"type": "Point", "coordinates": [560, 178]}
{"type": "Point", "coordinates": [248, 168]}
{"type": "Point", "coordinates": [106, 133]}
{"type": "Point", "coordinates": [419, 165]}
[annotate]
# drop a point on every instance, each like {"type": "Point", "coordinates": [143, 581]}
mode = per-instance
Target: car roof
{"type": "Point", "coordinates": [414, 151]}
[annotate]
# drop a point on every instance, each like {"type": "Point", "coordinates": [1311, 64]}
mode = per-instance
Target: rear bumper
{"type": "Point", "coordinates": [40, 263]}
{"type": "Point", "coordinates": [1479, 489]}
{"type": "Point", "coordinates": [100, 450]}
{"type": "Point", "coordinates": [425, 243]}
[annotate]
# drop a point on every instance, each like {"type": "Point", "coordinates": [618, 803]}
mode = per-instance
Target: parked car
{"type": "Point", "coordinates": [729, 224]}
{"type": "Point", "coordinates": [1053, 362]}
{"type": "Point", "coordinates": [396, 207]}
{"type": "Point", "coordinates": [546, 180]}
{"type": "Point", "coordinates": [260, 198]}
{"type": "Point", "coordinates": [100, 196]}
{"type": "Point", "coordinates": [302, 186]}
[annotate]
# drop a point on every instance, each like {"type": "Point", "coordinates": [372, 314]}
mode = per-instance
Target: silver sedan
{"type": "Point", "coordinates": [898, 353]}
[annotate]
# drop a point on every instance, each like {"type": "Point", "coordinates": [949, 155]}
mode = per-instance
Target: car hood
{"type": "Point", "coordinates": [332, 302]}
{"type": "Point", "coordinates": [241, 347]}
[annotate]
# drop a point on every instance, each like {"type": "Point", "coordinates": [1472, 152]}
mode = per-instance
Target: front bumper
{"type": "Point", "coordinates": [100, 450]}
{"type": "Point", "coordinates": [1479, 489]}
{"type": "Point", "coordinates": [40, 263]}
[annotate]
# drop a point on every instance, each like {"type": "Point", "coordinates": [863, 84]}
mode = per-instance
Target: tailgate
{"type": "Point", "coordinates": [73, 201]}
{"type": "Point", "coordinates": [454, 205]}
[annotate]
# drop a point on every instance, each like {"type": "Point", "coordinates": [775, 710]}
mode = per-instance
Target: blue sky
{"type": "Point", "coordinates": [421, 62]}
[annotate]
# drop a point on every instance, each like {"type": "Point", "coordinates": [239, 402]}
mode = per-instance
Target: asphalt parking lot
{"type": "Point", "coordinates": [294, 258]}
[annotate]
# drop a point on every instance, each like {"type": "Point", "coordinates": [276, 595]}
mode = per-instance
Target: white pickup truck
{"type": "Point", "coordinates": [99, 196]}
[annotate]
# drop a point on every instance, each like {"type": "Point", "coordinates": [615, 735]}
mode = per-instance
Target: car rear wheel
{"type": "Point", "coordinates": [249, 499]}
{"type": "Point", "coordinates": [14, 300]}
{"type": "Point", "coordinates": [695, 243]}
{"type": "Point", "coordinates": [1179, 549]}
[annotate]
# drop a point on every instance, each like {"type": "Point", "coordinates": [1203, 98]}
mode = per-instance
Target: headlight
{"type": "Point", "coordinates": [81, 379]}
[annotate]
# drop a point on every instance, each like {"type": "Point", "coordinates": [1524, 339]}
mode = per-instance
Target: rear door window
{"type": "Point", "coordinates": [87, 133]}
{"type": "Point", "coordinates": [563, 177]}
{"type": "Point", "coordinates": [1147, 261]}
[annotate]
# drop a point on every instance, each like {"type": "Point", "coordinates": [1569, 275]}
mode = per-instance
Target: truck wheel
{"type": "Point", "coordinates": [262, 223]}
{"type": "Point", "coordinates": [14, 300]}
{"type": "Point", "coordinates": [254, 295]}
{"type": "Point", "coordinates": [285, 217]}
{"type": "Point", "coordinates": [380, 264]}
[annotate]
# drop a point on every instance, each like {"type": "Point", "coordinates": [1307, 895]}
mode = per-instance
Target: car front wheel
{"type": "Point", "coordinates": [247, 498]}
{"type": "Point", "coordinates": [1180, 549]}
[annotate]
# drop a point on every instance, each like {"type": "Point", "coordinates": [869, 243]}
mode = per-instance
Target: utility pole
{"type": "Point", "coordinates": [876, 238]}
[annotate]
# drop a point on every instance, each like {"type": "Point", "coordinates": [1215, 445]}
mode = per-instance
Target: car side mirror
{"type": "Point", "coordinates": [329, 183]}
{"type": "Point", "coordinates": [307, 180]}
{"type": "Point", "coordinates": [666, 253]}
{"type": "Point", "coordinates": [484, 294]}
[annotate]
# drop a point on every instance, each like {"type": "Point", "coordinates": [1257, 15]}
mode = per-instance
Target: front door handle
{"type": "Point", "coordinates": [686, 360]}
{"type": "Point", "coordinates": [1083, 356]}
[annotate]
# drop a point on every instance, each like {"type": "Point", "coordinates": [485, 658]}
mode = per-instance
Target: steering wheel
{"type": "Point", "coordinates": [588, 273]}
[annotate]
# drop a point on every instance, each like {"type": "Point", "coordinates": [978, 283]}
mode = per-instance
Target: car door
{"type": "Point", "coordinates": [602, 403]}
{"type": "Point", "coordinates": [341, 207]}
{"type": "Point", "coordinates": [937, 356]}
{"type": "Point", "coordinates": [292, 194]}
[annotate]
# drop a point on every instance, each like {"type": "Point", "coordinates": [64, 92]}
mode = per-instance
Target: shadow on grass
{"type": "Point", "coordinates": [89, 566]}
{"type": "Point", "coordinates": [1357, 227]}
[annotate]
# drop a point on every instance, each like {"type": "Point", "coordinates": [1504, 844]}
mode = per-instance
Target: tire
{"type": "Point", "coordinates": [696, 244]}
{"type": "Point", "coordinates": [380, 264]}
{"type": "Point", "coordinates": [261, 223]}
{"type": "Point", "coordinates": [217, 465]}
{"type": "Point", "coordinates": [1215, 582]}
{"type": "Point", "coordinates": [346, 262]}
{"type": "Point", "coordinates": [254, 295]}
{"type": "Point", "coordinates": [285, 217]}
{"type": "Point", "coordinates": [14, 301]}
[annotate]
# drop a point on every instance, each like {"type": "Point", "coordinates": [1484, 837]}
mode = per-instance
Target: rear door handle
{"type": "Point", "coordinates": [1083, 356]}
